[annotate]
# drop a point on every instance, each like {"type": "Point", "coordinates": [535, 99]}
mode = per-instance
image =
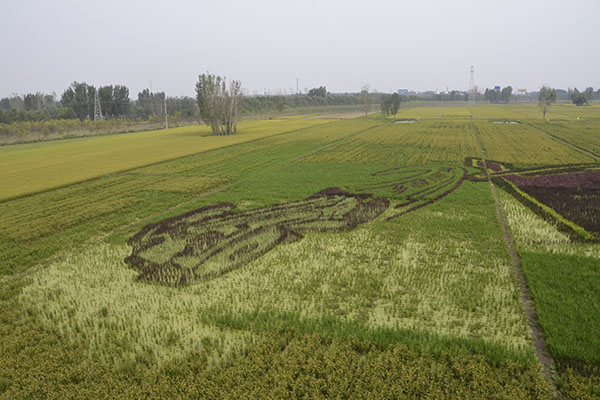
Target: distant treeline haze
{"type": "Point", "coordinates": [77, 102]}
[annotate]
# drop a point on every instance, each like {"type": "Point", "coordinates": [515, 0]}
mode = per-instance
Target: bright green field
{"type": "Point", "coordinates": [423, 305]}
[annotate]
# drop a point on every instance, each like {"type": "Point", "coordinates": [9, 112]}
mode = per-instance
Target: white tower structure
{"type": "Point", "coordinates": [97, 108]}
{"type": "Point", "coordinates": [472, 89]}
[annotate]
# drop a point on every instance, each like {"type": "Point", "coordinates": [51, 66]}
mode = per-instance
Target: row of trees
{"type": "Point", "coordinates": [498, 96]}
{"type": "Point", "coordinates": [79, 98]}
{"type": "Point", "coordinates": [77, 101]}
{"type": "Point", "coordinates": [280, 103]}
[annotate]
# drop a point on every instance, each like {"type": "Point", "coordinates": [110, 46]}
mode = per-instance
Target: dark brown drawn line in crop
{"type": "Point", "coordinates": [391, 171]}
{"type": "Point", "coordinates": [539, 344]}
{"type": "Point", "coordinates": [431, 201]}
{"type": "Point", "coordinates": [571, 145]}
{"type": "Point", "coordinates": [127, 170]}
{"type": "Point", "coordinates": [420, 194]}
{"type": "Point", "coordinates": [428, 189]}
{"type": "Point", "coordinates": [96, 239]}
{"type": "Point", "coordinates": [394, 183]}
{"type": "Point", "coordinates": [226, 186]}
{"type": "Point", "coordinates": [40, 264]}
{"type": "Point", "coordinates": [213, 242]}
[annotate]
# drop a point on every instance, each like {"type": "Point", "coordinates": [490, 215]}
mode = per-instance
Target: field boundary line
{"type": "Point", "coordinates": [539, 344]}
{"type": "Point", "coordinates": [573, 146]}
{"type": "Point", "coordinates": [7, 199]}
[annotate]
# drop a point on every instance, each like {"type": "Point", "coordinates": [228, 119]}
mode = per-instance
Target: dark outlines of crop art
{"type": "Point", "coordinates": [572, 191]}
{"type": "Point", "coordinates": [423, 186]}
{"type": "Point", "coordinates": [211, 241]}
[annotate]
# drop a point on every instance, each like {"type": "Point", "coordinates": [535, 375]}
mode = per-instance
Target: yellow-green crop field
{"type": "Point", "coordinates": [33, 168]}
{"type": "Point", "coordinates": [307, 258]}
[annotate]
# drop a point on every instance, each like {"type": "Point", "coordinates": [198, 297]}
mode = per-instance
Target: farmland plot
{"type": "Point", "coordinates": [553, 215]}
{"type": "Point", "coordinates": [381, 276]}
{"type": "Point", "coordinates": [524, 145]}
{"type": "Point", "coordinates": [583, 134]}
{"type": "Point", "coordinates": [35, 227]}
{"type": "Point", "coordinates": [405, 144]}
{"type": "Point", "coordinates": [340, 260]}
{"type": "Point", "coordinates": [564, 278]}
{"type": "Point", "coordinates": [41, 166]}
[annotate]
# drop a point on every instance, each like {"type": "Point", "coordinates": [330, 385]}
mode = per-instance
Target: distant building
{"type": "Point", "coordinates": [403, 91]}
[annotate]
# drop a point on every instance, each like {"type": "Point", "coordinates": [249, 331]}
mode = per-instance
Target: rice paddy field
{"type": "Point", "coordinates": [453, 256]}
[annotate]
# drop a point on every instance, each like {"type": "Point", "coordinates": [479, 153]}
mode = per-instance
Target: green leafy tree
{"type": "Point", "coordinates": [105, 93]}
{"type": "Point", "coordinates": [121, 103]}
{"type": "Point", "coordinates": [33, 101]}
{"type": "Point", "coordinates": [219, 105]}
{"type": "Point", "coordinates": [386, 105]}
{"type": "Point", "coordinates": [144, 103]}
{"type": "Point", "coordinates": [80, 98]}
{"type": "Point", "coordinates": [578, 98]}
{"type": "Point", "coordinates": [321, 91]}
{"type": "Point", "coordinates": [506, 94]}
{"type": "Point", "coordinates": [395, 104]}
{"type": "Point", "coordinates": [546, 97]}
{"type": "Point", "coordinates": [5, 104]}
{"type": "Point", "coordinates": [367, 100]}
{"type": "Point", "coordinates": [279, 103]}
{"type": "Point", "coordinates": [114, 100]}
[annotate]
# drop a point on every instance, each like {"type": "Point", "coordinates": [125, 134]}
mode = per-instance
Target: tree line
{"type": "Point", "coordinates": [77, 102]}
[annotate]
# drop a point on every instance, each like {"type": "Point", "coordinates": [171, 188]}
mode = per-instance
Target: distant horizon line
{"type": "Point", "coordinates": [279, 92]}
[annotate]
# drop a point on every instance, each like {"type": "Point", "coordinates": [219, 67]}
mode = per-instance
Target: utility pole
{"type": "Point", "coordinates": [472, 89]}
{"type": "Point", "coordinates": [166, 115]}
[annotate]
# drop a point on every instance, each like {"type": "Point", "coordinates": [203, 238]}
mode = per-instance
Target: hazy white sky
{"type": "Point", "coordinates": [267, 44]}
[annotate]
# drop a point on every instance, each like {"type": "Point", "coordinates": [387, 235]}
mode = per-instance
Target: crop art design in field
{"type": "Point", "coordinates": [568, 196]}
{"type": "Point", "coordinates": [211, 241]}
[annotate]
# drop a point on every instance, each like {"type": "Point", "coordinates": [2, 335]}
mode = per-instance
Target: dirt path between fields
{"type": "Point", "coordinates": [541, 350]}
